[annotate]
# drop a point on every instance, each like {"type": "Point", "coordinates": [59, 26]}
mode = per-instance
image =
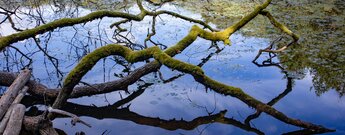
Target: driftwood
{"type": "Point", "coordinates": [14, 125]}
{"type": "Point", "coordinates": [8, 113]}
{"type": "Point", "coordinates": [9, 96]}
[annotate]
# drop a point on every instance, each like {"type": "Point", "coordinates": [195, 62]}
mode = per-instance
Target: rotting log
{"type": "Point", "coordinates": [6, 118]}
{"type": "Point", "coordinates": [14, 125]}
{"type": "Point", "coordinates": [12, 92]}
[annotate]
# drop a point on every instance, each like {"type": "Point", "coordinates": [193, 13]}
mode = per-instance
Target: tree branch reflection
{"type": "Point", "coordinates": [269, 63]}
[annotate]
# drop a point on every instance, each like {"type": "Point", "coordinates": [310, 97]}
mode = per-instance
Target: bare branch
{"type": "Point", "coordinates": [75, 118]}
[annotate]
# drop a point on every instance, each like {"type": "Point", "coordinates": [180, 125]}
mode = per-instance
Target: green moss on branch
{"type": "Point", "coordinates": [64, 22]}
{"type": "Point", "coordinates": [163, 57]}
{"type": "Point", "coordinates": [132, 56]}
{"type": "Point", "coordinates": [7, 40]}
{"type": "Point", "coordinates": [279, 25]}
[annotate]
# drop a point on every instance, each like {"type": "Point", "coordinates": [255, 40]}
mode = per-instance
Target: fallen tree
{"type": "Point", "coordinates": [162, 57]}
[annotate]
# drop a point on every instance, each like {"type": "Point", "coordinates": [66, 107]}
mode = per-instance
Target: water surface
{"type": "Point", "coordinates": [305, 82]}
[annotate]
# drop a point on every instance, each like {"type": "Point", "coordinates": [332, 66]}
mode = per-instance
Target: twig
{"type": "Point", "coordinates": [153, 31]}
{"type": "Point", "coordinates": [282, 28]}
{"type": "Point", "coordinates": [75, 118]}
{"type": "Point", "coordinates": [159, 4]}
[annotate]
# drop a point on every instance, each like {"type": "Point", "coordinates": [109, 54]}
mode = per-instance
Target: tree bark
{"type": "Point", "coordinates": [9, 96]}
{"type": "Point", "coordinates": [39, 125]}
{"type": "Point", "coordinates": [14, 125]}
{"type": "Point", "coordinates": [4, 121]}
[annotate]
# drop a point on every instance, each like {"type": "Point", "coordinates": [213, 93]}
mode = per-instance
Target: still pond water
{"type": "Point", "coordinates": [304, 82]}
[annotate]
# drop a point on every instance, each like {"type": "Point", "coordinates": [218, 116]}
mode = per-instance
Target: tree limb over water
{"type": "Point", "coordinates": [161, 57]}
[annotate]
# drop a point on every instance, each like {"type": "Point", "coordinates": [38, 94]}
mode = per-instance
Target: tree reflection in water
{"type": "Point", "coordinates": [117, 111]}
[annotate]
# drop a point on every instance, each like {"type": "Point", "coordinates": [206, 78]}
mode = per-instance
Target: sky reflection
{"type": "Point", "coordinates": [184, 97]}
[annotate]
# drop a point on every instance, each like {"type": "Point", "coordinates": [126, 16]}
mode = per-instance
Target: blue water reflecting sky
{"type": "Point", "coordinates": [184, 97]}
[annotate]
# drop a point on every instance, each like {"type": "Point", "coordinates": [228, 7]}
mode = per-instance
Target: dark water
{"type": "Point", "coordinates": [305, 82]}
